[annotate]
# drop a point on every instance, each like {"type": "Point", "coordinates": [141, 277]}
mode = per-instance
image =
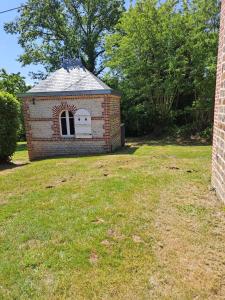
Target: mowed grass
{"type": "Point", "coordinates": [141, 223]}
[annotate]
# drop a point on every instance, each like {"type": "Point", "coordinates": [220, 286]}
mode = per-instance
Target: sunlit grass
{"type": "Point", "coordinates": [84, 227]}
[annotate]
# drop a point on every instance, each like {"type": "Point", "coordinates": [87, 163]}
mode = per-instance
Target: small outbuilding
{"type": "Point", "coordinates": [71, 112]}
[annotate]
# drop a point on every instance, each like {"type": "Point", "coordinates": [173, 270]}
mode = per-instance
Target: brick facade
{"type": "Point", "coordinates": [218, 158]}
{"type": "Point", "coordinates": [42, 122]}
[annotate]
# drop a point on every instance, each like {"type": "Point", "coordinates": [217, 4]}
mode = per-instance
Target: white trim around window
{"type": "Point", "coordinates": [67, 129]}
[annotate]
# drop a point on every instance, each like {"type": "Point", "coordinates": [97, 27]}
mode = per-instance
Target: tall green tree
{"type": "Point", "coordinates": [50, 29]}
{"type": "Point", "coordinates": [12, 83]}
{"type": "Point", "coordinates": [164, 53]}
{"type": "Point", "coordinates": [147, 54]}
{"type": "Point", "coordinates": [202, 19]}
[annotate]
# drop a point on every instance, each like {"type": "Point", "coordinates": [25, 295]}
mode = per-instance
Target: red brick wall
{"type": "Point", "coordinates": [218, 158]}
{"type": "Point", "coordinates": [112, 121]}
{"type": "Point", "coordinates": [115, 122]}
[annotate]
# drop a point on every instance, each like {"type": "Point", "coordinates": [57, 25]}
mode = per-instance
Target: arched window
{"type": "Point", "coordinates": [83, 124]}
{"type": "Point", "coordinates": [67, 123]}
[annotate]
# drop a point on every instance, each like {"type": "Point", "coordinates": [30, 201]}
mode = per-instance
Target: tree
{"type": "Point", "coordinates": [14, 84]}
{"type": "Point", "coordinates": [147, 54]}
{"type": "Point", "coordinates": [51, 29]}
{"type": "Point", "coordinates": [164, 54]}
{"type": "Point", "coordinates": [9, 111]}
{"type": "Point", "coordinates": [202, 18]}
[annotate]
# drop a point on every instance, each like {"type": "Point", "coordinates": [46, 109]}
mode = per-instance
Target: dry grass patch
{"type": "Point", "coordinates": [190, 255]}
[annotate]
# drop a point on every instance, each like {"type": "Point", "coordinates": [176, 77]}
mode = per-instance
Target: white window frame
{"type": "Point", "coordinates": [67, 124]}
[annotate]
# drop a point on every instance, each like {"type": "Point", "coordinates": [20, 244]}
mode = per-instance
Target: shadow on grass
{"type": "Point", "coordinates": [132, 145]}
{"type": "Point", "coordinates": [9, 166]}
{"type": "Point", "coordinates": [138, 142]}
{"type": "Point", "coordinates": [21, 147]}
{"type": "Point", "coordinates": [126, 150]}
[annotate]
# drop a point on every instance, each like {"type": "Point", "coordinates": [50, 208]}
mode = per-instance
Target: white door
{"type": "Point", "coordinates": [83, 124]}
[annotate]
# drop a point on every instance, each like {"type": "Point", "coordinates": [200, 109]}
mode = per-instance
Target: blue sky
{"type": "Point", "coordinates": [9, 49]}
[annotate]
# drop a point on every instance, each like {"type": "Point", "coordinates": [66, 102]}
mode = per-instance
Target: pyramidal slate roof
{"type": "Point", "coordinates": [72, 79]}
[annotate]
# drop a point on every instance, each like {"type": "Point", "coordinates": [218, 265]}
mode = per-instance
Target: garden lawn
{"type": "Point", "coordinates": [141, 223]}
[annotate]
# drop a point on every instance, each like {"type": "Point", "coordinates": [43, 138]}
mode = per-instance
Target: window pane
{"type": "Point", "coordinates": [63, 125]}
{"type": "Point", "coordinates": [70, 114]}
{"type": "Point", "coordinates": [63, 115]}
{"type": "Point", "coordinates": [72, 130]}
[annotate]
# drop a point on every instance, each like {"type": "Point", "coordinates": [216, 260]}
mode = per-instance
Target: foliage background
{"type": "Point", "coordinates": [163, 56]}
{"type": "Point", "coordinates": [160, 54]}
{"type": "Point", "coordinates": [15, 84]}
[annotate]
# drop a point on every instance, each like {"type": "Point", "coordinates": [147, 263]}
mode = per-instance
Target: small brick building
{"type": "Point", "coordinates": [218, 163]}
{"type": "Point", "coordinates": [71, 112]}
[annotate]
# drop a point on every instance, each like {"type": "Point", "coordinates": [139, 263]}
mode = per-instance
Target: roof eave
{"type": "Point", "coordinates": [71, 93]}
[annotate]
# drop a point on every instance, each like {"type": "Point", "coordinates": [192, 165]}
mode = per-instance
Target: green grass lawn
{"type": "Point", "coordinates": [141, 223]}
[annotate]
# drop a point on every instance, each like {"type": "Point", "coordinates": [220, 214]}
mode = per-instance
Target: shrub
{"type": "Point", "coordinates": [21, 133]}
{"type": "Point", "coordinates": [207, 134]}
{"type": "Point", "coordinates": [9, 112]}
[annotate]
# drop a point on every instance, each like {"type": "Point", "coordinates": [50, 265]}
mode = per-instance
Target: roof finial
{"type": "Point", "coordinates": [71, 63]}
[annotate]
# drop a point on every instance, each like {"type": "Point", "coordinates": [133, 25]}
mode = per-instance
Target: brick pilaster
{"type": "Point", "coordinates": [106, 115]}
{"type": "Point", "coordinates": [218, 156]}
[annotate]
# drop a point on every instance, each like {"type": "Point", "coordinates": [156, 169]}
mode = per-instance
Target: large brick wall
{"type": "Point", "coordinates": [43, 129]}
{"type": "Point", "coordinates": [218, 163]}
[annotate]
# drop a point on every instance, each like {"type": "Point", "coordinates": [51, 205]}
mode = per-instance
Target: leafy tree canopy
{"type": "Point", "coordinates": [51, 29]}
{"type": "Point", "coordinates": [12, 83]}
{"type": "Point", "coordinates": [164, 52]}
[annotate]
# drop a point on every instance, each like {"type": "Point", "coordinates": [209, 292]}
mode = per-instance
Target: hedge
{"type": "Point", "coordinates": [9, 114]}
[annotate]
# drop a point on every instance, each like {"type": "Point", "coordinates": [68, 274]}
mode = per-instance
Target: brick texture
{"type": "Point", "coordinates": [115, 130]}
{"type": "Point", "coordinates": [218, 157]}
{"type": "Point", "coordinates": [43, 127]}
